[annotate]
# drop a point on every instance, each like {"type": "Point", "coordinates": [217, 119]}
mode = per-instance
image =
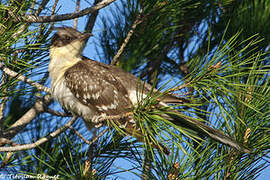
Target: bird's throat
{"type": "Point", "coordinates": [60, 61]}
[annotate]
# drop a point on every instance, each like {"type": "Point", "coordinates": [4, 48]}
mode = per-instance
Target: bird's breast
{"type": "Point", "coordinates": [69, 102]}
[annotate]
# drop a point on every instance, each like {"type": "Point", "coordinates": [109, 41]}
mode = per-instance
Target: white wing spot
{"type": "Point", "coordinates": [96, 96]}
{"type": "Point", "coordinates": [132, 121]}
{"type": "Point", "coordinates": [90, 88]}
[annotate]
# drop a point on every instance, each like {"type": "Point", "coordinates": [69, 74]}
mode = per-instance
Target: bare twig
{"type": "Point", "coordinates": [57, 113]}
{"type": "Point", "coordinates": [23, 78]}
{"type": "Point", "coordinates": [78, 134]}
{"type": "Point", "coordinates": [95, 138]}
{"type": "Point", "coordinates": [88, 171]}
{"type": "Point", "coordinates": [173, 173]}
{"type": "Point", "coordinates": [23, 27]}
{"type": "Point", "coordinates": [177, 88]}
{"type": "Point", "coordinates": [41, 7]}
{"type": "Point", "coordinates": [25, 119]}
{"type": "Point", "coordinates": [68, 16]}
{"type": "Point", "coordinates": [54, 6]}
{"type": "Point", "coordinates": [91, 19]}
{"type": "Point", "coordinates": [130, 33]}
{"type": "Point", "coordinates": [209, 70]}
{"type": "Point", "coordinates": [75, 22]}
{"type": "Point", "coordinates": [90, 156]}
{"type": "Point", "coordinates": [40, 141]}
{"type": "Point", "coordinates": [8, 141]}
{"type": "Point", "coordinates": [3, 100]}
{"type": "Point", "coordinates": [52, 13]}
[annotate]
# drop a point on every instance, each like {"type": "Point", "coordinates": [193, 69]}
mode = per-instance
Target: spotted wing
{"type": "Point", "coordinates": [96, 87]}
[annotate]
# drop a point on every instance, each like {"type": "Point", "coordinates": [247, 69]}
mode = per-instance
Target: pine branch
{"type": "Point", "coordinates": [52, 13]}
{"type": "Point", "coordinates": [23, 78]}
{"type": "Point", "coordinates": [91, 19]}
{"type": "Point", "coordinates": [98, 136]}
{"type": "Point", "coordinates": [41, 7]}
{"type": "Point", "coordinates": [40, 141]}
{"type": "Point", "coordinates": [147, 165]}
{"type": "Point", "coordinates": [62, 17]}
{"type": "Point", "coordinates": [3, 101]}
{"type": "Point", "coordinates": [130, 33]}
{"type": "Point", "coordinates": [25, 119]}
{"type": "Point", "coordinates": [80, 136]}
{"type": "Point", "coordinates": [24, 26]}
{"type": "Point", "coordinates": [57, 113]}
{"type": "Point", "coordinates": [75, 22]}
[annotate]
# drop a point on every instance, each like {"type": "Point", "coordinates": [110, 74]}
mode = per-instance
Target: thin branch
{"type": "Point", "coordinates": [24, 26]}
{"type": "Point", "coordinates": [23, 78]}
{"type": "Point", "coordinates": [8, 141]}
{"type": "Point", "coordinates": [40, 141]}
{"type": "Point", "coordinates": [52, 13]}
{"type": "Point", "coordinates": [209, 70]}
{"type": "Point", "coordinates": [94, 139]}
{"type": "Point", "coordinates": [3, 100]}
{"type": "Point", "coordinates": [88, 172]}
{"type": "Point", "coordinates": [177, 88]}
{"type": "Point", "coordinates": [81, 136]}
{"type": "Point", "coordinates": [90, 156]}
{"type": "Point", "coordinates": [41, 7]}
{"type": "Point", "coordinates": [99, 135]}
{"type": "Point", "coordinates": [75, 22]}
{"type": "Point", "coordinates": [25, 119]}
{"type": "Point", "coordinates": [68, 16]}
{"type": "Point", "coordinates": [130, 33]}
{"type": "Point", "coordinates": [57, 113]}
{"type": "Point", "coordinates": [91, 19]}
{"type": "Point", "coordinates": [173, 173]}
{"type": "Point", "coordinates": [21, 29]}
{"type": "Point", "coordinates": [54, 6]}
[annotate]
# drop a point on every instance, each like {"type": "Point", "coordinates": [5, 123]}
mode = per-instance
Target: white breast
{"type": "Point", "coordinates": [57, 67]}
{"type": "Point", "coordinates": [66, 99]}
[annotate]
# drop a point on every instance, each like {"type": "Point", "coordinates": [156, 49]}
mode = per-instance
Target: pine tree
{"type": "Point", "coordinates": [213, 53]}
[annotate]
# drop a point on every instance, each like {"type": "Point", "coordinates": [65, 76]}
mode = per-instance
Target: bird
{"type": "Point", "coordinates": [94, 90]}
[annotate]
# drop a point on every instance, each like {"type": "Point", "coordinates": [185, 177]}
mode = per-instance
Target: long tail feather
{"type": "Point", "coordinates": [204, 130]}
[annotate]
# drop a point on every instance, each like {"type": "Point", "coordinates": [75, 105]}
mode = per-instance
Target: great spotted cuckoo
{"type": "Point", "coordinates": [92, 90]}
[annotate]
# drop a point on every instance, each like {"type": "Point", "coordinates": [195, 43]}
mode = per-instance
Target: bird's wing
{"type": "Point", "coordinates": [105, 89]}
{"type": "Point", "coordinates": [132, 83]}
{"type": "Point", "coordinates": [94, 86]}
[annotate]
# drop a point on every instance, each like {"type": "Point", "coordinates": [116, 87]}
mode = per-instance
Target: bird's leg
{"type": "Point", "coordinates": [99, 119]}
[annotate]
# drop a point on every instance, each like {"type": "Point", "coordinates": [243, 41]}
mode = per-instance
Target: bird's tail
{"type": "Point", "coordinates": [202, 129]}
{"type": "Point", "coordinates": [128, 125]}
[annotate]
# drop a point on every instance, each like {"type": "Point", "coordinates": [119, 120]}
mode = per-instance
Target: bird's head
{"type": "Point", "coordinates": [68, 41]}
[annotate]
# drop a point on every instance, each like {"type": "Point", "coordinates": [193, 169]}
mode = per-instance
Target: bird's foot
{"type": "Point", "coordinates": [99, 119]}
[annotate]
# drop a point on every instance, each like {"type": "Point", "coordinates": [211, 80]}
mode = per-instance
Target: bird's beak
{"type": "Point", "coordinates": [86, 36]}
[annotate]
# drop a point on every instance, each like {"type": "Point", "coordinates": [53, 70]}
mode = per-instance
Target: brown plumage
{"type": "Point", "coordinates": [92, 89]}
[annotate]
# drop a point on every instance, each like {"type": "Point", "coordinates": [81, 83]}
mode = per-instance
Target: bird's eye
{"type": "Point", "coordinates": [67, 38]}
